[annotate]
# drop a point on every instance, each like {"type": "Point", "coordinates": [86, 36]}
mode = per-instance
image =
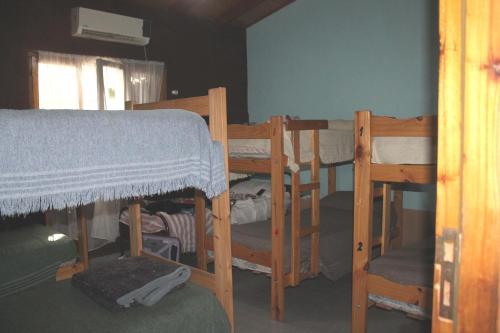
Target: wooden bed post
{"type": "Point", "coordinates": [200, 229]}
{"type": "Point", "coordinates": [332, 179]}
{"type": "Point", "coordinates": [386, 218]}
{"type": "Point", "coordinates": [135, 227]}
{"type": "Point", "coordinates": [363, 202]}
{"type": "Point", "coordinates": [295, 227]}
{"type": "Point", "coordinates": [220, 208]}
{"type": "Point", "coordinates": [315, 196]}
{"type": "Point", "coordinates": [278, 219]}
{"type": "Point", "coordinates": [82, 237]}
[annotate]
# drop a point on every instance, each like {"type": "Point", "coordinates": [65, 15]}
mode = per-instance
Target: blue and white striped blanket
{"type": "Point", "coordinates": [64, 158]}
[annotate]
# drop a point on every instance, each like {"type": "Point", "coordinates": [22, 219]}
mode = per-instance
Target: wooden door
{"type": "Point", "coordinates": [466, 274]}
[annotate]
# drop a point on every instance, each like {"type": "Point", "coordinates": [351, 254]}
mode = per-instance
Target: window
{"type": "Point", "coordinates": [65, 81]}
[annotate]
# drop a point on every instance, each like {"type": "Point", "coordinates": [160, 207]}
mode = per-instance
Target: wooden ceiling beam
{"type": "Point", "coordinates": [233, 13]}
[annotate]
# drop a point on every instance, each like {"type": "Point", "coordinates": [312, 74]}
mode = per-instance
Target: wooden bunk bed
{"type": "Point", "coordinates": [220, 283]}
{"type": "Point", "coordinates": [369, 170]}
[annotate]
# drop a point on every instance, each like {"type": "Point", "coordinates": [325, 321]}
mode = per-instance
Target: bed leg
{"type": "Point", "coordinates": [201, 234]}
{"type": "Point", "coordinates": [134, 213]}
{"type": "Point", "coordinates": [82, 237]}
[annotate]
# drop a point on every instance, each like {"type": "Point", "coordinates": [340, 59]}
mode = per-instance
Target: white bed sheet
{"type": "Point", "coordinates": [336, 144]}
{"type": "Point", "coordinates": [403, 150]}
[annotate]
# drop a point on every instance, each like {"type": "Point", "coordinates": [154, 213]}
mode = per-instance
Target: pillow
{"type": "Point", "coordinates": [257, 205]}
{"type": "Point", "coordinates": [343, 200]}
{"type": "Point", "coordinates": [254, 187]}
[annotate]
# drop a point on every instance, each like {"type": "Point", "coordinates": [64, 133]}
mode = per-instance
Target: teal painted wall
{"type": "Point", "coordinates": [328, 58]}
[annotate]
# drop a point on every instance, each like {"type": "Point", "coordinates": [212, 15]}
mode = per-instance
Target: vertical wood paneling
{"type": "Point", "coordinates": [480, 257]}
{"type": "Point", "coordinates": [468, 195]}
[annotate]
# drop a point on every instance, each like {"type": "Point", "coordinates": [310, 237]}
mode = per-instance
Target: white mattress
{"type": "Point", "coordinates": [336, 144]}
{"type": "Point", "coordinates": [403, 150]}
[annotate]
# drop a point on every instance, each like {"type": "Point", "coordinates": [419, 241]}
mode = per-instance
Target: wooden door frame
{"type": "Point", "coordinates": [466, 275]}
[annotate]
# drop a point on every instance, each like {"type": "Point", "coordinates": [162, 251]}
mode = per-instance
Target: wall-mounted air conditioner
{"type": "Point", "coordinates": [94, 24]}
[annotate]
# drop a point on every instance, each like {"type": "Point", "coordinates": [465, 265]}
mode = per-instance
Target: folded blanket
{"type": "Point", "coordinates": [119, 284]}
{"type": "Point", "coordinates": [63, 158]}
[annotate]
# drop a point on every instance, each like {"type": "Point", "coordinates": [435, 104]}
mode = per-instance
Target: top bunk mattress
{"type": "Point", "coordinates": [336, 144]}
{"type": "Point", "coordinates": [65, 158]}
{"type": "Point", "coordinates": [403, 150]}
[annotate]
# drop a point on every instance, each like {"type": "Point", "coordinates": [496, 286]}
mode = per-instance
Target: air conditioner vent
{"type": "Point", "coordinates": [89, 23]}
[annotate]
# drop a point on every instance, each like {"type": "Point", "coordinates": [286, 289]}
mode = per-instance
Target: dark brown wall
{"type": "Point", "coordinates": [197, 54]}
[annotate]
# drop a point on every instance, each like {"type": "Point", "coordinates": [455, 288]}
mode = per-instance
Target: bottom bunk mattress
{"type": "Point", "coordinates": [60, 307]}
{"type": "Point", "coordinates": [335, 245]}
{"type": "Point", "coordinates": [31, 254]}
{"type": "Point", "coordinates": [411, 265]}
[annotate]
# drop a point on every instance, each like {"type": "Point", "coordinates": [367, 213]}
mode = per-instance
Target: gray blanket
{"type": "Point", "coordinates": [63, 158]}
{"type": "Point", "coordinates": [119, 284]}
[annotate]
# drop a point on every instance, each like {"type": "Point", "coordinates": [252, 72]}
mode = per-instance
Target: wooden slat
{"type": "Point", "coordinates": [134, 213]}
{"type": "Point", "coordinates": [315, 196]}
{"type": "Point", "coordinates": [278, 219]}
{"type": "Point", "coordinates": [220, 208]}
{"type": "Point", "coordinates": [244, 252]}
{"type": "Point", "coordinates": [66, 271]}
{"type": "Point", "coordinates": [293, 125]}
{"type": "Point", "coordinates": [198, 276]}
{"type": "Point", "coordinates": [416, 295]}
{"type": "Point", "coordinates": [417, 174]}
{"type": "Point", "coordinates": [82, 237]}
{"type": "Point", "coordinates": [332, 179]}
{"type": "Point", "coordinates": [250, 165]}
{"type": "Point", "coordinates": [419, 126]}
{"type": "Point", "coordinates": [200, 223]}
{"type": "Point", "coordinates": [296, 203]}
{"type": "Point", "coordinates": [386, 218]}
{"type": "Point", "coordinates": [307, 231]}
{"type": "Point", "coordinates": [363, 202]}
{"type": "Point", "coordinates": [197, 104]}
{"type": "Point", "coordinates": [259, 131]}
{"type": "Point", "coordinates": [309, 187]}
{"type": "Point", "coordinates": [478, 301]}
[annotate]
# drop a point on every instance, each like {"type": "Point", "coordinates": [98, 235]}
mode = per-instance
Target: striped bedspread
{"type": "Point", "coordinates": [65, 158]}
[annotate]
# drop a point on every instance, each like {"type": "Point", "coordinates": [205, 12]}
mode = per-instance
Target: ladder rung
{"type": "Point", "coordinates": [308, 187]}
{"type": "Point", "coordinates": [308, 231]}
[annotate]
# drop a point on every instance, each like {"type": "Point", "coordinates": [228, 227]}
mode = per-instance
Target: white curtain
{"type": "Point", "coordinates": [68, 81]}
{"type": "Point", "coordinates": [143, 80]}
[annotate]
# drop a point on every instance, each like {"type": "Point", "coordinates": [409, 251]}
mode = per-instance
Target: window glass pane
{"type": "Point", "coordinates": [114, 88]}
{"type": "Point", "coordinates": [58, 86]}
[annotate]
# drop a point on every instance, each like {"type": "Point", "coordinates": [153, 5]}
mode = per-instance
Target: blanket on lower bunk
{"type": "Point", "coordinates": [64, 158]}
{"type": "Point", "coordinates": [118, 284]}
{"type": "Point", "coordinates": [59, 307]}
{"type": "Point", "coordinates": [30, 255]}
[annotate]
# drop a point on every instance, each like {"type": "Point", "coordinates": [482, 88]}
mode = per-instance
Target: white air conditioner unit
{"type": "Point", "coordinates": [94, 24]}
